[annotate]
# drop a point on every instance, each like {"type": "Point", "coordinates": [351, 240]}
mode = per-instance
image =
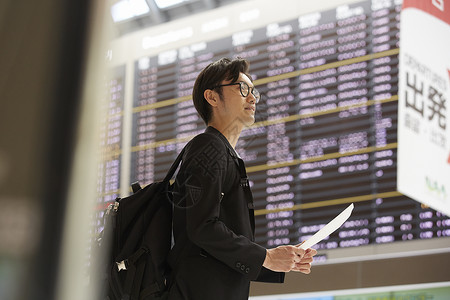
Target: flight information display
{"type": "Point", "coordinates": [326, 128]}
{"type": "Point", "coordinates": [111, 131]}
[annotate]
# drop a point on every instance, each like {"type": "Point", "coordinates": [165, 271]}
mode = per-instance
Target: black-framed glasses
{"type": "Point", "coordinates": [245, 89]}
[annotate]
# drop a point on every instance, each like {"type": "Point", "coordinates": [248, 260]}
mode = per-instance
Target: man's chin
{"type": "Point", "coordinates": [249, 121]}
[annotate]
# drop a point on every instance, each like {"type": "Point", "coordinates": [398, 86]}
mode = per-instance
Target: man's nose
{"type": "Point", "coordinates": [251, 97]}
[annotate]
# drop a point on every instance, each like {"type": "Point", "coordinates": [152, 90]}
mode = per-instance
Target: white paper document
{"type": "Point", "coordinates": [329, 228]}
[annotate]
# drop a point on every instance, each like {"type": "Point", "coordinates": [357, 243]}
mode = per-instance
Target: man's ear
{"type": "Point", "coordinates": [212, 97]}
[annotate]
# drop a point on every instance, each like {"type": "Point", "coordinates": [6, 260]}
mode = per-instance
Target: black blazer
{"type": "Point", "coordinates": [213, 226]}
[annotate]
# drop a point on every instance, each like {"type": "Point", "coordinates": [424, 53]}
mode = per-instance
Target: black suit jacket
{"type": "Point", "coordinates": [213, 227]}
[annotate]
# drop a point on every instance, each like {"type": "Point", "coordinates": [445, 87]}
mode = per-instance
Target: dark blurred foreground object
{"type": "Point", "coordinates": [41, 64]}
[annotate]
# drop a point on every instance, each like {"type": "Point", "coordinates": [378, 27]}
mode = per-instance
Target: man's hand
{"type": "Point", "coordinates": [283, 258]}
{"type": "Point", "coordinates": [289, 258]}
{"type": "Point", "coordinates": [304, 266]}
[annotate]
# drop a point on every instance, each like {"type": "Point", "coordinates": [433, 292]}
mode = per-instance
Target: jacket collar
{"type": "Point", "coordinates": [214, 131]}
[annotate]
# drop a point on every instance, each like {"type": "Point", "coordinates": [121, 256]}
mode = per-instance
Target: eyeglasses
{"type": "Point", "coordinates": [245, 90]}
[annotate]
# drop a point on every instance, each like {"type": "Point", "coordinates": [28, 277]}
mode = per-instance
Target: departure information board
{"type": "Point", "coordinates": [326, 128]}
{"type": "Point", "coordinates": [111, 131]}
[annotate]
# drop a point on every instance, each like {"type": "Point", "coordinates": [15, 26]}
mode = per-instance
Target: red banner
{"type": "Point", "coordinates": [438, 8]}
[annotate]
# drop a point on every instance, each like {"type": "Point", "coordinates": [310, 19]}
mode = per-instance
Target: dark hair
{"type": "Point", "coordinates": [213, 75]}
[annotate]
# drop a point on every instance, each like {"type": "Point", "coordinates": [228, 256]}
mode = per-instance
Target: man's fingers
{"type": "Point", "coordinates": [303, 268]}
{"type": "Point", "coordinates": [306, 271]}
{"type": "Point", "coordinates": [300, 252]}
{"type": "Point", "coordinates": [311, 252]}
{"type": "Point", "coordinates": [289, 258]}
{"type": "Point", "coordinates": [298, 245]}
{"type": "Point", "coordinates": [306, 260]}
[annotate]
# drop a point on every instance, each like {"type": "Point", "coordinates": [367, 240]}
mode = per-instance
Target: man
{"type": "Point", "coordinates": [213, 217]}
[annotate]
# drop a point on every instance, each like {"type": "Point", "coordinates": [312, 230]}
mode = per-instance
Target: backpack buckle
{"type": "Point", "coordinates": [122, 265]}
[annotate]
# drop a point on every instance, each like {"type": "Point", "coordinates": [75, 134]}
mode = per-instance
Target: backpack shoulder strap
{"type": "Point", "coordinates": [174, 166]}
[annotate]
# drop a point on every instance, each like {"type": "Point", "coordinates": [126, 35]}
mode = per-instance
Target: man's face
{"type": "Point", "coordinates": [235, 107]}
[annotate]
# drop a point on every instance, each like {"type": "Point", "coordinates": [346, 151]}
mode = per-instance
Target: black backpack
{"type": "Point", "coordinates": [136, 241]}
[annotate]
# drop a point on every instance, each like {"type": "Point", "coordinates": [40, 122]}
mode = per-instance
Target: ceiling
{"type": "Point", "coordinates": [158, 14]}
